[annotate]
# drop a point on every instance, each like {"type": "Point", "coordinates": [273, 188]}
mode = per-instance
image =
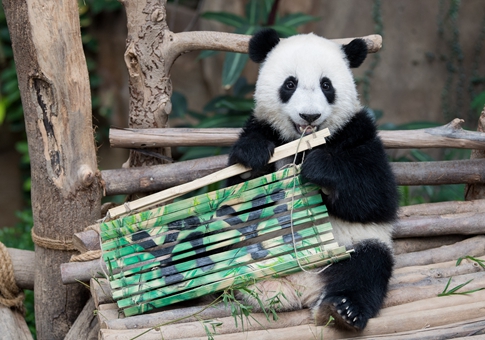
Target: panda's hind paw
{"type": "Point", "coordinates": [346, 314]}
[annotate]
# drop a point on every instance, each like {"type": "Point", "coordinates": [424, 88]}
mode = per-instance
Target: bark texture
{"type": "Point", "coordinates": [54, 87]}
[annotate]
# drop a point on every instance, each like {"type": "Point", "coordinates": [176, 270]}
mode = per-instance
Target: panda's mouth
{"type": "Point", "coordinates": [305, 129]}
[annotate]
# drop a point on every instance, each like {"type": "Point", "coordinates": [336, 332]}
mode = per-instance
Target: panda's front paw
{"type": "Point", "coordinates": [317, 169]}
{"type": "Point", "coordinates": [252, 155]}
{"type": "Point", "coordinates": [347, 313]}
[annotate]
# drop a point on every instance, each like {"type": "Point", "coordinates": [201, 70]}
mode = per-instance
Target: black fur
{"type": "Point", "coordinates": [353, 167]}
{"type": "Point", "coordinates": [328, 89]}
{"type": "Point", "coordinates": [288, 88]}
{"type": "Point", "coordinates": [356, 52]}
{"type": "Point", "coordinates": [262, 43]}
{"type": "Point", "coordinates": [255, 145]}
{"type": "Point", "coordinates": [355, 289]}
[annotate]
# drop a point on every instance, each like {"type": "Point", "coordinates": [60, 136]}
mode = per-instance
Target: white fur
{"type": "Point", "coordinates": [308, 58]}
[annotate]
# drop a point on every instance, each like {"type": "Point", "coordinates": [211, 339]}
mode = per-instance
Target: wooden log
{"type": "Point", "coordinates": [75, 272]}
{"type": "Point", "coordinates": [54, 88]}
{"type": "Point", "coordinates": [126, 181]}
{"type": "Point", "coordinates": [159, 177]}
{"type": "Point", "coordinates": [474, 246]}
{"type": "Point", "coordinates": [447, 136]}
{"type": "Point", "coordinates": [100, 291]}
{"type": "Point", "coordinates": [463, 224]}
{"type": "Point", "coordinates": [412, 244]}
{"type": "Point", "coordinates": [414, 274]}
{"type": "Point", "coordinates": [86, 326]}
{"type": "Point", "coordinates": [419, 315]}
{"type": "Point", "coordinates": [153, 178]}
{"type": "Point", "coordinates": [150, 138]}
{"type": "Point", "coordinates": [23, 267]}
{"type": "Point", "coordinates": [465, 330]}
{"type": "Point", "coordinates": [442, 208]}
{"type": "Point", "coordinates": [172, 316]}
{"type": "Point", "coordinates": [13, 325]}
{"type": "Point", "coordinates": [429, 288]}
{"type": "Point", "coordinates": [86, 240]}
{"type": "Point", "coordinates": [440, 172]}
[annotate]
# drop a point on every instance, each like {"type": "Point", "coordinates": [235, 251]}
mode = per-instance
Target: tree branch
{"type": "Point", "coordinates": [184, 42]}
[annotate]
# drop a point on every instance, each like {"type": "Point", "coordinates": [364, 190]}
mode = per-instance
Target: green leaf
{"type": "Point", "coordinates": [3, 110]}
{"type": "Point", "coordinates": [226, 18]}
{"type": "Point", "coordinates": [478, 102]}
{"type": "Point", "coordinates": [284, 31]}
{"type": "Point", "coordinates": [252, 12]}
{"type": "Point", "coordinates": [295, 20]}
{"type": "Point", "coordinates": [179, 105]}
{"type": "Point", "coordinates": [237, 104]}
{"type": "Point", "coordinates": [242, 88]}
{"type": "Point", "coordinates": [232, 68]}
{"type": "Point", "coordinates": [234, 62]}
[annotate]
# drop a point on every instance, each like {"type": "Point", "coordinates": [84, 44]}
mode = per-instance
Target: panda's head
{"type": "Point", "coordinates": [305, 82]}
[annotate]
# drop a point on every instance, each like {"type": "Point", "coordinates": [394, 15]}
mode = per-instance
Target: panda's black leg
{"type": "Point", "coordinates": [355, 288]}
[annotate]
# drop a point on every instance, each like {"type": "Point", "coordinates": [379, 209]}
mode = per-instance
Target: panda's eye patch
{"type": "Point", "coordinates": [328, 89]}
{"type": "Point", "coordinates": [288, 88]}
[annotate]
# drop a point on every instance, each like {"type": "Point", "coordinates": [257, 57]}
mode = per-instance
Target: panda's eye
{"type": "Point", "coordinates": [326, 85]}
{"type": "Point", "coordinates": [290, 85]}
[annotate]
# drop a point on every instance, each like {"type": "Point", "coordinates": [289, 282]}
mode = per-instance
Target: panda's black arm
{"type": "Point", "coordinates": [255, 145]}
{"type": "Point", "coordinates": [353, 169]}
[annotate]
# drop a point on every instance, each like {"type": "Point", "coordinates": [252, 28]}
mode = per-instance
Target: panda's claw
{"type": "Point", "coordinates": [346, 314]}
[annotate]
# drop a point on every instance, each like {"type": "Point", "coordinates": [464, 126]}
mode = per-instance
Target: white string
{"type": "Point", "coordinates": [294, 166]}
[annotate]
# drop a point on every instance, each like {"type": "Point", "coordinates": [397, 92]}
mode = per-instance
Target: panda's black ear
{"type": "Point", "coordinates": [356, 52]}
{"type": "Point", "coordinates": [261, 43]}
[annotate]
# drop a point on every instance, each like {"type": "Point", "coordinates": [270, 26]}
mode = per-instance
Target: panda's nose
{"type": "Point", "coordinates": [310, 118]}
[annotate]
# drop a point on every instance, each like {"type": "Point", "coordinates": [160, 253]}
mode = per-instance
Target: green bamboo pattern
{"type": "Point", "coordinates": [118, 260]}
{"type": "Point", "coordinates": [229, 237]}
{"type": "Point", "coordinates": [159, 227]}
{"type": "Point", "coordinates": [243, 276]}
{"type": "Point", "coordinates": [221, 261]}
{"type": "Point", "coordinates": [299, 218]}
{"type": "Point", "coordinates": [110, 229]}
{"type": "Point", "coordinates": [145, 220]}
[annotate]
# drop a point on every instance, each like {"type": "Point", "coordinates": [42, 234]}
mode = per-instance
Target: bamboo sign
{"type": "Point", "coordinates": [266, 227]}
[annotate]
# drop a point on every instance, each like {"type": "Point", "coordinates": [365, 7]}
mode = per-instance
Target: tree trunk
{"type": "Point", "coordinates": [54, 87]}
{"type": "Point", "coordinates": [150, 84]}
{"type": "Point", "coordinates": [477, 190]}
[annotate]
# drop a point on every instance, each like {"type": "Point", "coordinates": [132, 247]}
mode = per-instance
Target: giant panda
{"type": "Point", "coordinates": [305, 84]}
